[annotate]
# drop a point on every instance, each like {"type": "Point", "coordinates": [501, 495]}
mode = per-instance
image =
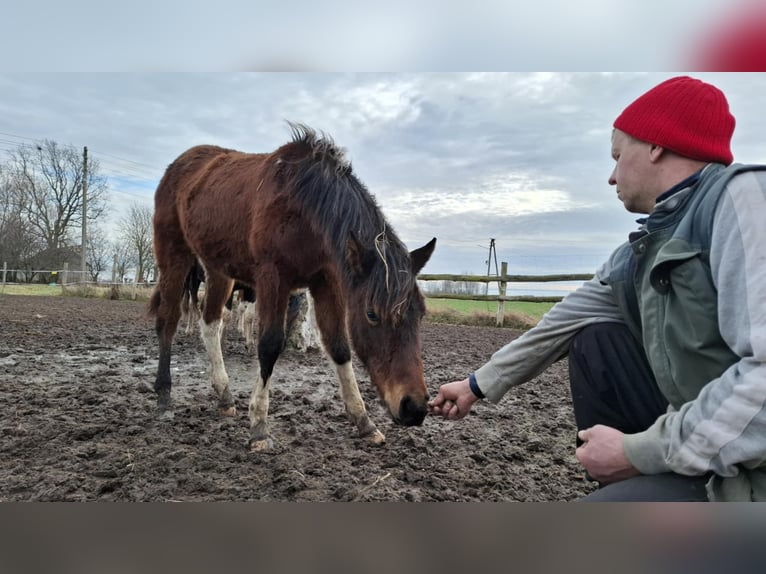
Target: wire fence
{"type": "Point", "coordinates": [65, 277]}
{"type": "Point", "coordinates": [502, 280]}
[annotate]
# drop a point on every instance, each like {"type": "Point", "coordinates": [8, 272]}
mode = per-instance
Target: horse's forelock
{"type": "Point", "coordinates": [390, 281]}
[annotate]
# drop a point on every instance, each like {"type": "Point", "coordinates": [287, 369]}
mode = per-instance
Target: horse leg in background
{"type": "Point", "coordinates": [331, 320]}
{"type": "Point", "coordinates": [303, 328]}
{"type": "Point", "coordinates": [295, 315]}
{"type": "Point", "coordinates": [189, 302]}
{"type": "Point", "coordinates": [166, 304]}
{"type": "Point", "coordinates": [193, 281]}
{"type": "Point", "coordinates": [185, 310]}
{"type": "Point", "coordinates": [227, 313]}
{"type": "Point", "coordinates": [248, 316]}
{"type": "Point", "coordinates": [239, 305]}
{"type": "Point", "coordinates": [217, 290]}
{"type": "Point", "coordinates": [272, 306]}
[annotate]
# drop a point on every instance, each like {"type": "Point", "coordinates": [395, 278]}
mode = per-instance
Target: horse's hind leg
{"type": "Point", "coordinates": [166, 303]}
{"type": "Point", "coordinates": [330, 317]}
{"type": "Point", "coordinates": [217, 289]}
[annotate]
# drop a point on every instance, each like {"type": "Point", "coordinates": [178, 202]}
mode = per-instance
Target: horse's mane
{"type": "Point", "coordinates": [340, 205]}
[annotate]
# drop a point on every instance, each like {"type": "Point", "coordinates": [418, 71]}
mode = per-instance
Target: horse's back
{"type": "Point", "coordinates": [189, 164]}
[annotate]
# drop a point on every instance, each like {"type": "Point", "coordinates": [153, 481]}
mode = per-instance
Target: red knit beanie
{"type": "Point", "coordinates": [686, 116]}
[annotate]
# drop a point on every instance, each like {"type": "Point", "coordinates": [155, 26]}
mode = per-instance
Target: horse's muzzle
{"type": "Point", "coordinates": [411, 413]}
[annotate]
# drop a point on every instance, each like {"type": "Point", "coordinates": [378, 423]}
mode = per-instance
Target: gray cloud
{"type": "Point", "coordinates": [523, 158]}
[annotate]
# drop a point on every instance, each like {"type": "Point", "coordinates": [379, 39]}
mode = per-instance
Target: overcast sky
{"type": "Point", "coordinates": [464, 157]}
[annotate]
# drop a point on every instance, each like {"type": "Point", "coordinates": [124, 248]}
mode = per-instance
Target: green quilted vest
{"type": "Point", "coordinates": [662, 281]}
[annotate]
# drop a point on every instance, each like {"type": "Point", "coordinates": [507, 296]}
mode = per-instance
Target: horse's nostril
{"type": "Point", "coordinates": [411, 413]}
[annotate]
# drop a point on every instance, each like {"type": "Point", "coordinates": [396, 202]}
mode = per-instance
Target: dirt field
{"type": "Point", "coordinates": [78, 421]}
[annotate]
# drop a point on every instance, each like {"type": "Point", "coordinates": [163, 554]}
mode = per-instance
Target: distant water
{"type": "Point", "coordinates": [550, 289]}
{"type": "Point", "coordinates": [538, 289]}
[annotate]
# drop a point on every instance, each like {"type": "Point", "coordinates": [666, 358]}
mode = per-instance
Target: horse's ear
{"type": "Point", "coordinates": [419, 257]}
{"type": "Point", "coordinates": [355, 256]}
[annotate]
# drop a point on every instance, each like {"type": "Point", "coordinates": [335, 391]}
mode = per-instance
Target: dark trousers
{"type": "Point", "coordinates": [613, 385]}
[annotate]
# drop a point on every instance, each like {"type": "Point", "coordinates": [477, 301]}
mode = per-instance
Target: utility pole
{"type": "Point", "coordinates": [492, 252]}
{"type": "Point", "coordinates": [84, 214]}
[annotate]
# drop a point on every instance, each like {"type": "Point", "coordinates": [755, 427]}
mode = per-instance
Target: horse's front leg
{"type": "Point", "coordinates": [270, 345]}
{"type": "Point", "coordinates": [331, 321]}
{"type": "Point", "coordinates": [212, 332]}
{"type": "Point", "coordinates": [272, 306]}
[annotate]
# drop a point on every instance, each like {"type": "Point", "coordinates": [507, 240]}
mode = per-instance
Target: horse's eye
{"type": "Point", "coordinates": [372, 317]}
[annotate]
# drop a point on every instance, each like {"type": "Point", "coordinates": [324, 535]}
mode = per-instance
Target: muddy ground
{"type": "Point", "coordinates": [78, 421]}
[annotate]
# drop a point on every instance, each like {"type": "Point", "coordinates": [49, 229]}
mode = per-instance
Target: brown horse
{"type": "Point", "coordinates": [296, 217]}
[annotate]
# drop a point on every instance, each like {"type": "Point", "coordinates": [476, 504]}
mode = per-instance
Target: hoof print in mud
{"type": "Point", "coordinates": [261, 445]}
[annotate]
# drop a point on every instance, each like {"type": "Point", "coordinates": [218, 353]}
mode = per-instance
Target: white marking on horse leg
{"type": "Point", "coordinates": [349, 392]}
{"type": "Point", "coordinates": [211, 338]}
{"type": "Point", "coordinates": [258, 411]}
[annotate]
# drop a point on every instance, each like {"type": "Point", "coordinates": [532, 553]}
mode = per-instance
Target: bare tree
{"type": "Point", "coordinates": [49, 179]}
{"type": "Point", "coordinates": [137, 232]}
{"type": "Point", "coordinates": [99, 254]}
{"type": "Point", "coordinates": [17, 243]}
{"type": "Point", "coordinates": [449, 287]}
{"type": "Point", "coordinates": [123, 259]}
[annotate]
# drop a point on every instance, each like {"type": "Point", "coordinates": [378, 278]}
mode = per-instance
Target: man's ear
{"type": "Point", "coordinates": [656, 152]}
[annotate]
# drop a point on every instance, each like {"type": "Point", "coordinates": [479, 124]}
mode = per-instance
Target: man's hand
{"type": "Point", "coordinates": [453, 401]}
{"type": "Point", "coordinates": [602, 454]}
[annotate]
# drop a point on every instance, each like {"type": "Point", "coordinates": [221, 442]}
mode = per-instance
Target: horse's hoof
{"type": "Point", "coordinates": [377, 438]}
{"type": "Point", "coordinates": [261, 445]}
{"type": "Point", "coordinates": [228, 412]}
{"type": "Point", "coordinates": [166, 415]}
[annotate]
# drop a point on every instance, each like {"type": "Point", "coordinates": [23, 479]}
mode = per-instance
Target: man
{"type": "Point", "coordinates": [667, 342]}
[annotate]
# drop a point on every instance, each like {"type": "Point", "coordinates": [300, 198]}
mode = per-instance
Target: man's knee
{"type": "Point", "coordinates": [668, 487]}
{"type": "Point", "coordinates": [597, 337]}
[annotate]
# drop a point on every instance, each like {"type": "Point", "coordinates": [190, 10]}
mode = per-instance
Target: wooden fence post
{"type": "Point", "coordinates": [5, 268]}
{"type": "Point", "coordinates": [501, 285]}
{"type": "Point", "coordinates": [65, 277]}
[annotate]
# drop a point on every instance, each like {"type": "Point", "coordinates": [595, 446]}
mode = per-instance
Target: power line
{"type": "Point", "coordinates": [153, 167]}
{"type": "Point", "coordinates": [131, 195]}
{"type": "Point", "coordinates": [129, 173]}
{"type": "Point", "coordinates": [19, 137]}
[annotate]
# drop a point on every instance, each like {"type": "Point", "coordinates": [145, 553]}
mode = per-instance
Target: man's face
{"type": "Point", "coordinates": [632, 173]}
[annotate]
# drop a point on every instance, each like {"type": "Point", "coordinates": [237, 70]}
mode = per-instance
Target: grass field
{"type": "Point", "coordinates": [517, 313]}
{"type": "Point", "coordinates": [30, 289]}
{"type": "Point", "coordinates": [462, 306]}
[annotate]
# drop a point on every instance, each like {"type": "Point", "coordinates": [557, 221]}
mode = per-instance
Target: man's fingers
{"type": "Point", "coordinates": [436, 405]}
{"type": "Point", "coordinates": [436, 401]}
{"type": "Point", "coordinates": [583, 435]}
